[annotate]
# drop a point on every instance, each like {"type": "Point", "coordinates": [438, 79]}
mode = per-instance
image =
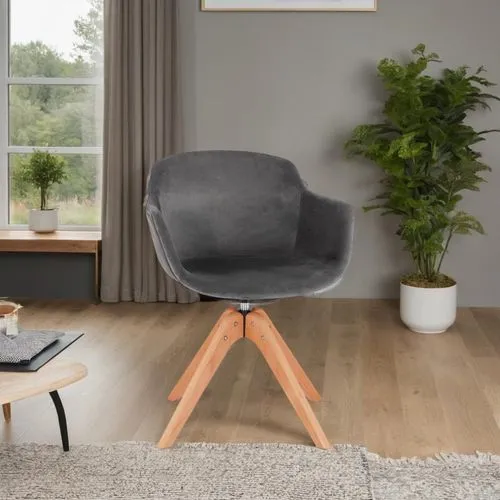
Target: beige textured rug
{"type": "Point", "coordinates": [238, 471]}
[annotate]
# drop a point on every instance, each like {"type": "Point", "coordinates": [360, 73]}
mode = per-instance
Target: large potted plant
{"type": "Point", "coordinates": [42, 170]}
{"type": "Point", "coordinates": [425, 150]}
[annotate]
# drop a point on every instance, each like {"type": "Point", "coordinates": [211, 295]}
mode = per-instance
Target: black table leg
{"type": "Point", "coordinates": [62, 419]}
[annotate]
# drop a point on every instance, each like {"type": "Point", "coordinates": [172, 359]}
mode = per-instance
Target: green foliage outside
{"type": "Point", "coordinates": [41, 171]}
{"type": "Point", "coordinates": [55, 115]}
{"type": "Point", "coordinates": [426, 151]}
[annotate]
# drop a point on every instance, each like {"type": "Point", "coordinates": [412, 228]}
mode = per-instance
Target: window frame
{"type": "Point", "coordinates": [5, 149]}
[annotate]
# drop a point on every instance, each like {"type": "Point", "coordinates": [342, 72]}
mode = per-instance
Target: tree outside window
{"type": "Point", "coordinates": [55, 101]}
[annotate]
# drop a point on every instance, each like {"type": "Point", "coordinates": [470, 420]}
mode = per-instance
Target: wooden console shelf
{"type": "Point", "coordinates": [59, 242]}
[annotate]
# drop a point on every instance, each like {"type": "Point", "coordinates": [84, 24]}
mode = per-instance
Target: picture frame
{"type": "Point", "coordinates": [289, 5]}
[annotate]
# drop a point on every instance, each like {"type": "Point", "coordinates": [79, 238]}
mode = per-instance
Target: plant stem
{"type": "Point", "coordinates": [43, 198]}
{"type": "Point", "coordinates": [416, 259]}
{"type": "Point", "coordinates": [428, 267]}
{"type": "Point", "coordinates": [445, 251]}
{"type": "Point", "coordinates": [434, 261]}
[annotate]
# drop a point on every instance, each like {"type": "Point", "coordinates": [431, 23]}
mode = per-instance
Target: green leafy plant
{"type": "Point", "coordinates": [426, 152]}
{"type": "Point", "coordinates": [42, 170]}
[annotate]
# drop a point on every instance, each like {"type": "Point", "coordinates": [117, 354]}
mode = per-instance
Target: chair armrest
{"type": "Point", "coordinates": [326, 228]}
{"type": "Point", "coordinates": [165, 249]}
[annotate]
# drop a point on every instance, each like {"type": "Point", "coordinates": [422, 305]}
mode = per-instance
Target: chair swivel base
{"type": "Point", "coordinates": [231, 327]}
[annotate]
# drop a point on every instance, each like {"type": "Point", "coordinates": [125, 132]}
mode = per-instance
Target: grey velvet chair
{"type": "Point", "coordinates": [242, 226]}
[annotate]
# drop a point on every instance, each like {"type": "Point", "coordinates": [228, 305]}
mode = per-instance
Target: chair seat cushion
{"type": "Point", "coordinates": [260, 278]}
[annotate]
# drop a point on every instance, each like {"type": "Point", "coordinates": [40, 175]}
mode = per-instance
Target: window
{"type": "Point", "coordinates": [51, 98]}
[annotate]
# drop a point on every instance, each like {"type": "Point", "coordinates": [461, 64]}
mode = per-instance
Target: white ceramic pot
{"type": "Point", "coordinates": [43, 221]}
{"type": "Point", "coordinates": [428, 310]}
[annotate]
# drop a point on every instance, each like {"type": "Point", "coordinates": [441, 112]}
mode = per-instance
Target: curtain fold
{"type": "Point", "coordinates": [142, 124]}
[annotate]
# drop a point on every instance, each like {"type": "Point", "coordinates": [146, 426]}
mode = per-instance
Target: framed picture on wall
{"type": "Point", "coordinates": [289, 5]}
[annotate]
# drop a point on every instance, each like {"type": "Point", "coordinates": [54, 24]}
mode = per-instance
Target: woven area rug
{"type": "Point", "coordinates": [238, 471]}
{"type": "Point", "coordinates": [446, 477]}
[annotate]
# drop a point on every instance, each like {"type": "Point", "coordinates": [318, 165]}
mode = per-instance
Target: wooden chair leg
{"type": "Point", "coordinates": [7, 415]}
{"type": "Point", "coordinates": [180, 387]}
{"type": "Point", "coordinates": [259, 332]}
{"type": "Point", "coordinates": [230, 330]}
{"type": "Point", "coordinates": [305, 382]}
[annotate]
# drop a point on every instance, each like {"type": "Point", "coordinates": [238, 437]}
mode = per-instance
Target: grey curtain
{"type": "Point", "coordinates": [142, 123]}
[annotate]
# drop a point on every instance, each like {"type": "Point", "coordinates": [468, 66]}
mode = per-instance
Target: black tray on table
{"type": "Point", "coordinates": [44, 356]}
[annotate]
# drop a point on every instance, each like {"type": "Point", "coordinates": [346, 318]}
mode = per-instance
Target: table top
{"type": "Point", "coordinates": [55, 375]}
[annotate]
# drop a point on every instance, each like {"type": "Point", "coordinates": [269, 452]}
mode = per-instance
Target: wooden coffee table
{"type": "Point", "coordinates": [53, 376]}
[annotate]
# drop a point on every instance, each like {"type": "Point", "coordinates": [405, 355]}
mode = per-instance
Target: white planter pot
{"type": "Point", "coordinates": [428, 310]}
{"type": "Point", "coordinates": [43, 221]}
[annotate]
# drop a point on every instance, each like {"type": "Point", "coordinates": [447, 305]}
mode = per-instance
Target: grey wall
{"type": "Point", "coordinates": [295, 84]}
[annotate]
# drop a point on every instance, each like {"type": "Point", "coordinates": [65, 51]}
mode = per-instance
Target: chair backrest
{"type": "Point", "coordinates": [227, 203]}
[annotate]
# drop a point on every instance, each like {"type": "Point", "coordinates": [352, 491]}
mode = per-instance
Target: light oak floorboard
{"type": "Point", "coordinates": [399, 393]}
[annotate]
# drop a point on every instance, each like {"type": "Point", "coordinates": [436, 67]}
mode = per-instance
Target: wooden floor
{"type": "Point", "coordinates": [399, 393]}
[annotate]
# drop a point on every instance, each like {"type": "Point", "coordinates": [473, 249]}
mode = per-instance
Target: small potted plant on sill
{"type": "Point", "coordinates": [425, 150]}
{"type": "Point", "coordinates": [42, 170]}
